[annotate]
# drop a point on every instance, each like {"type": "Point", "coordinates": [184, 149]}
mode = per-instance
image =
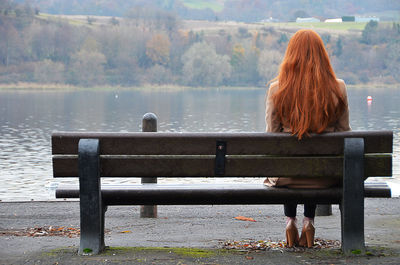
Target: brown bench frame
{"type": "Point", "coordinates": [352, 156]}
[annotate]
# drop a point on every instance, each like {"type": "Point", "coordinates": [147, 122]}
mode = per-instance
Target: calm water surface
{"type": "Point", "coordinates": [27, 120]}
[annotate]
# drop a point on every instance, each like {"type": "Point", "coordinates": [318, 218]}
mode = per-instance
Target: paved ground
{"type": "Point", "coordinates": [166, 240]}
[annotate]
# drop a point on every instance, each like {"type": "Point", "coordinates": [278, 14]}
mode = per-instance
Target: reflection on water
{"type": "Point", "coordinates": [28, 118]}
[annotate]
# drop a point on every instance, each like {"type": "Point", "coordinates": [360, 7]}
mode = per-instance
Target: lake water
{"type": "Point", "coordinates": [27, 119]}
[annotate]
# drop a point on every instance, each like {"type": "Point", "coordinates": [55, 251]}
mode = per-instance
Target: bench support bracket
{"type": "Point", "coordinates": [220, 154]}
{"type": "Point", "coordinates": [352, 205]}
{"type": "Point", "coordinates": [92, 209]}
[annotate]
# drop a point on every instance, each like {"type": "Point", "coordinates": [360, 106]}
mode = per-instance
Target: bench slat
{"type": "Point", "coordinates": [236, 166]}
{"type": "Point", "coordinates": [204, 143]}
{"type": "Point", "coordinates": [164, 194]}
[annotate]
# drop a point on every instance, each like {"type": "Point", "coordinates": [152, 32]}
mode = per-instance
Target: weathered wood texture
{"type": "Point", "coordinates": [379, 165]}
{"type": "Point", "coordinates": [157, 193]}
{"type": "Point", "coordinates": [204, 143]}
{"type": "Point", "coordinates": [248, 154]}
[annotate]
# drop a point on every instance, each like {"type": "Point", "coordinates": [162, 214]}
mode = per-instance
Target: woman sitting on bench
{"type": "Point", "coordinates": [305, 98]}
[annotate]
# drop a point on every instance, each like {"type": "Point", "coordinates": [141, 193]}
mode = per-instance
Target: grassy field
{"type": "Point", "coordinates": [322, 25]}
{"type": "Point", "coordinates": [215, 5]}
{"type": "Point", "coordinates": [213, 27]}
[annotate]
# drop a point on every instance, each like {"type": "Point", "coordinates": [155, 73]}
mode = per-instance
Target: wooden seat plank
{"type": "Point", "coordinates": [170, 194]}
{"type": "Point", "coordinates": [236, 166]}
{"type": "Point", "coordinates": [154, 143]}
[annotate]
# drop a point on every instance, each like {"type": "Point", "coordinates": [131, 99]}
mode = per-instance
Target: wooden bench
{"type": "Point", "coordinates": [352, 156]}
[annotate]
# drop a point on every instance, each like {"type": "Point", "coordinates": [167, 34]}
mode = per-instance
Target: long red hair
{"type": "Point", "coordinates": [309, 97]}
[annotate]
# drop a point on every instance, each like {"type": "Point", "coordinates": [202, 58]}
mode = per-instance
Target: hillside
{"type": "Point", "coordinates": [236, 10]}
{"type": "Point", "coordinates": [153, 46]}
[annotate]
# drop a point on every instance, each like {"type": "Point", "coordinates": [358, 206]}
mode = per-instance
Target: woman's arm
{"type": "Point", "coordinates": [271, 119]}
{"type": "Point", "coordinates": [343, 123]}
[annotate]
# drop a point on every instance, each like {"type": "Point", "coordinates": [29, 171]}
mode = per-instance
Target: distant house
{"type": "Point", "coordinates": [366, 19]}
{"type": "Point", "coordinates": [334, 20]}
{"type": "Point", "coordinates": [270, 19]}
{"type": "Point", "coordinates": [348, 18]}
{"type": "Point", "coordinates": [307, 19]}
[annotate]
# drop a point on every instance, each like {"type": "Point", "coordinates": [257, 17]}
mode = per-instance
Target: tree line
{"type": "Point", "coordinates": [150, 46]}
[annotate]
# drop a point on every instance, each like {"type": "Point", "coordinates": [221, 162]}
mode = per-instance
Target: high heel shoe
{"type": "Point", "coordinates": [292, 235]}
{"type": "Point", "coordinates": [307, 234]}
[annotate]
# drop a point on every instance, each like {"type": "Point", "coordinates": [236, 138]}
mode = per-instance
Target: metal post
{"type": "Point", "coordinates": [91, 207]}
{"type": "Point", "coordinates": [323, 210]}
{"type": "Point", "coordinates": [149, 124]}
{"type": "Point", "coordinates": [352, 204]}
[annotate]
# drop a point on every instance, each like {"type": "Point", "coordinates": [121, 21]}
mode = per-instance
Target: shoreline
{"type": "Point", "coordinates": [146, 87]}
{"type": "Point", "coordinates": [21, 86]}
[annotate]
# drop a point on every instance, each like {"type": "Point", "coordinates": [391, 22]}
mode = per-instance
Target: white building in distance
{"type": "Point", "coordinates": [307, 19]}
{"type": "Point", "coordinates": [334, 20]}
{"type": "Point", "coordinates": [366, 19]}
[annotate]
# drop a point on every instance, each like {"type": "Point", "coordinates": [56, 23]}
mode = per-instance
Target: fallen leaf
{"type": "Point", "coordinates": [249, 257]}
{"type": "Point", "coordinates": [125, 232]}
{"type": "Point", "coordinates": [242, 218]}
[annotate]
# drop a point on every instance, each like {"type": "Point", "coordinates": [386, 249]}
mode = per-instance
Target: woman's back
{"type": "Point", "coordinates": [275, 124]}
{"type": "Point", "coordinates": [307, 97]}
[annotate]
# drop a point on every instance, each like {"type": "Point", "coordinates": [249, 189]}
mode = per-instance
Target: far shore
{"type": "Point", "coordinates": [20, 86]}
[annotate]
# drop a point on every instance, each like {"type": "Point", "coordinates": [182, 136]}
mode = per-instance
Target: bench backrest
{"type": "Point", "coordinates": [222, 154]}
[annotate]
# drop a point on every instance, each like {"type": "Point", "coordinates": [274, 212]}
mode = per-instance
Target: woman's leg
{"type": "Point", "coordinates": [308, 231]}
{"type": "Point", "coordinates": [309, 210]}
{"type": "Point", "coordinates": [292, 235]}
{"type": "Point", "coordinates": [290, 209]}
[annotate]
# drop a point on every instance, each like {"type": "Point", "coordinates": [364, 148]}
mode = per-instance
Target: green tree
{"type": "Point", "coordinates": [369, 32]}
{"type": "Point", "coordinates": [283, 39]}
{"type": "Point", "coordinates": [87, 65]}
{"type": "Point", "coordinates": [392, 60]}
{"type": "Point", "coordinates": [11, 49]}
{"type": "Point", "coordinates": [268, 64]}
{"type": "Point", "coordinates": [202, 66]}
{"type": "Point", "coordinates": [338, 47]}
{"type": "Point", "coordinates": [159, 75]}
{"type": "Point", "coordinates": [157, 49]}
{"type": "Point", "coordinates": [299, 13]}
{"type": "Point", "coordinates": [48, 71]}
{"type": "Point", "coordinates": [326, 38]}
{"type": "Point", "coordinates": [238, 54]}
{"type": "Point", "coordinates": [122, 46]}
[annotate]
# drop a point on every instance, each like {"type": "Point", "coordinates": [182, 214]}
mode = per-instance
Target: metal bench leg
{"type": "Point", "coordinates": [352, 205]}
{"type": "Point", "coordinates": [91, 208]}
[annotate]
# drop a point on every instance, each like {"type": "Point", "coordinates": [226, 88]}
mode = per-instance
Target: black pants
{"type": "Point", "coordinates": [291, 209]}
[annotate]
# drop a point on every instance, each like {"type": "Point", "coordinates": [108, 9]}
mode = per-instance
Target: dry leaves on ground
{"type": "Point", "coordinates": [43, 231]}
{"type": "Point", "coordinates": [250, 245]}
